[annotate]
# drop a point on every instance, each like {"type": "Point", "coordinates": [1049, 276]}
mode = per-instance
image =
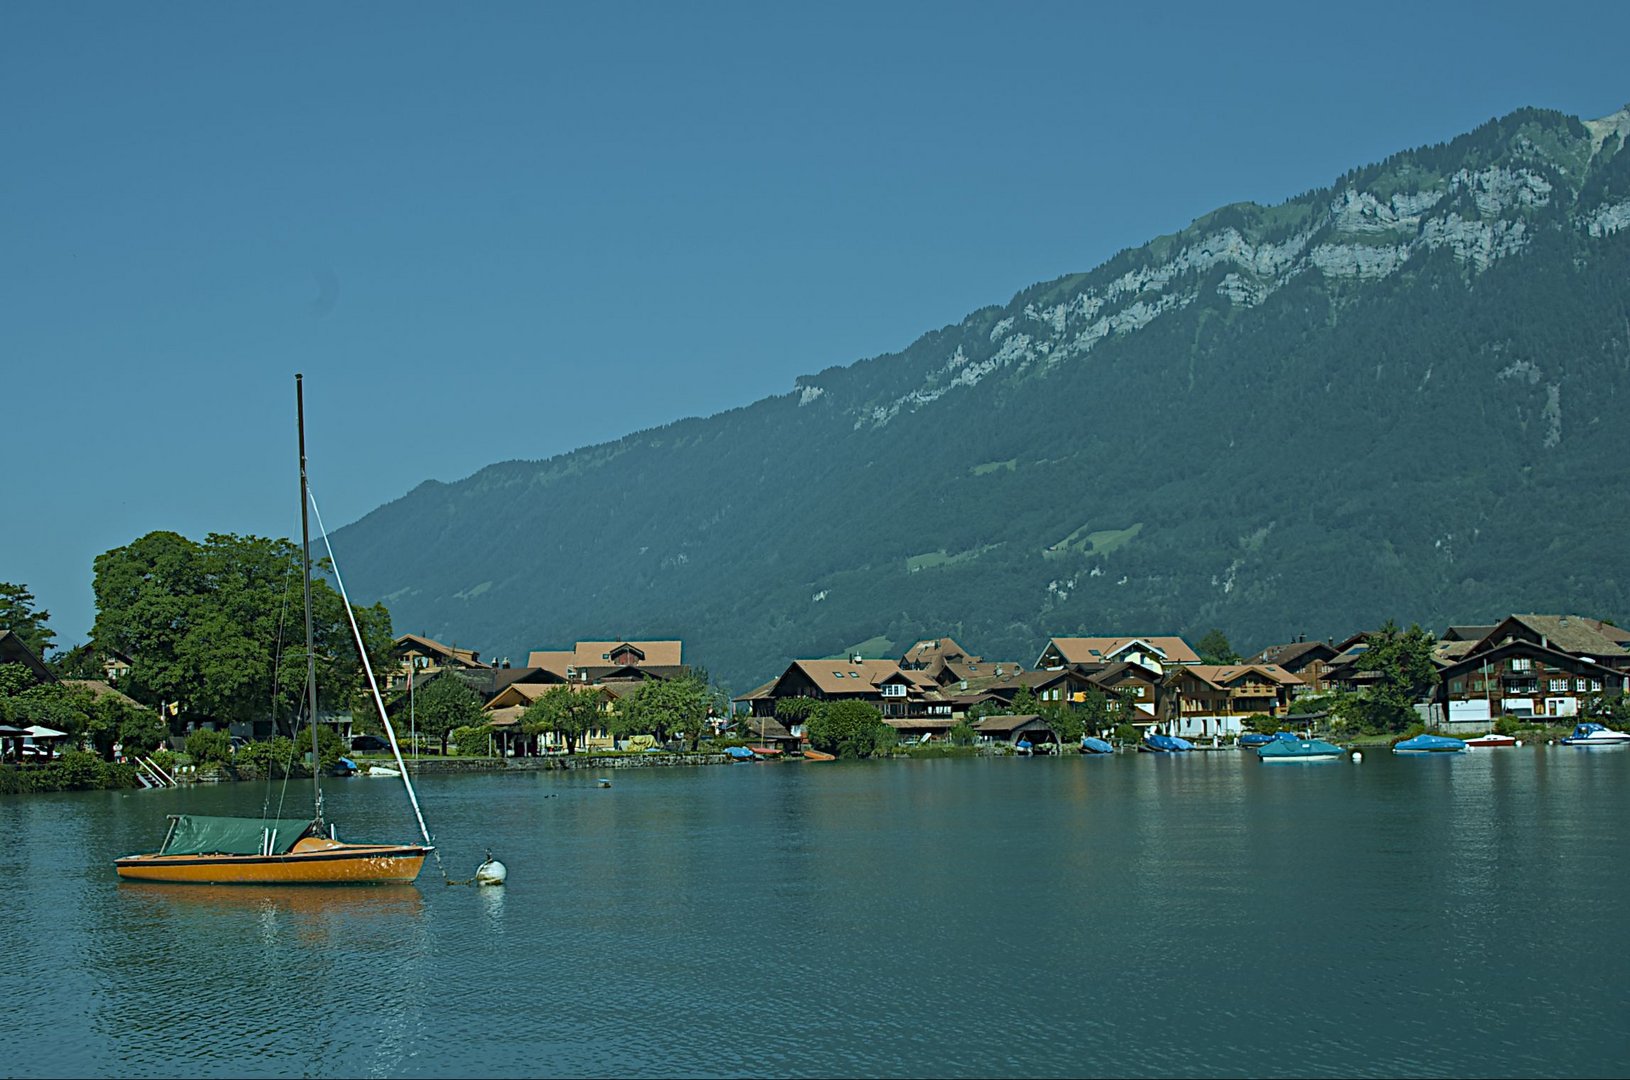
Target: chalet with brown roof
{"type": "Point", "coordinates": [1539, 666]}
{"type": "Point", "coordinates": [1307, 660]}
{"type": "Point", "coordinates": [505, 709]}
{"type": "Point", "coordinates": [1213, 699]}
{"type": "Point", "coordinates": [416, 657]}
{"type": "Point", "coordinates": [602, 661]}
{"type": "Point", "coordinates": [897, 693]}
{"type": "Point", "coordinates": [948, 663]}
{"type": "Point", "coordinates": [1156, 653]}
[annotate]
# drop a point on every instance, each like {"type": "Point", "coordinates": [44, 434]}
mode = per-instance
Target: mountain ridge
{"type": "Point", "coordinates": [954, 486]}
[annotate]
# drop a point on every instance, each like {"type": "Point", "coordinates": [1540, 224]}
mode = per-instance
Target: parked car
{"type": "Point", "coordinates": [369, 744]}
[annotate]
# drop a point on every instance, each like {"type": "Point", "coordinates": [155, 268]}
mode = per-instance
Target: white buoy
{"type": "Point", "coordinates": [1519, 742]}
{"type": "Point", "coordinates": [491, 872]}
{"type": "Point", "coordinates": [1357, 756]}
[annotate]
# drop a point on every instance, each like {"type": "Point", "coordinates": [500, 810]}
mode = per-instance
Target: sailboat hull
{"type": "Point", "coordinates": [312, 861]}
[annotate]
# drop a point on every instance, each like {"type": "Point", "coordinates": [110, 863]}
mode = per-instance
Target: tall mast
{"type": "Point", "coordinates": [305, 560]}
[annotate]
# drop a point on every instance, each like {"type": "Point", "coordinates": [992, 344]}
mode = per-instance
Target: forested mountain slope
{"type": "Point", "coordinates": [1401, 396]}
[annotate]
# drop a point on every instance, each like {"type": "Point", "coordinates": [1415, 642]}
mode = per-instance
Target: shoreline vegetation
{"type": "Point", "coordinates": [82, 770]}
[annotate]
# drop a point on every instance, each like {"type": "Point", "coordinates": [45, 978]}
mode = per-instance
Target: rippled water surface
{"type": "Point", "coordinates": [1081, 916]}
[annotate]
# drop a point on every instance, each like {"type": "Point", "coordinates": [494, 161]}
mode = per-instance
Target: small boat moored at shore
{"type": "Point", "coordinates": [1492, 739]}
{"type": "Point", "coordinates": [1091, 745]}
{"type": "Point", "coordinates": [1594, 734]}
{"type": "Point", "coordinates": [1156, 743]}
{"type": "Point", "coordinates": [1287, 747]}
{"type": "Point", "coordinates": [1251, 740]}
{"type": "Point", "coordinates": [1430, 744]}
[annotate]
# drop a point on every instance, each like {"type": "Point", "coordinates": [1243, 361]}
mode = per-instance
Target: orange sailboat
{"type": "Point", "coordinates": [200, 849]}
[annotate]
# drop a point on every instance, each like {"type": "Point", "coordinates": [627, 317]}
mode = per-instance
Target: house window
{"type": "Point", "coordinates": [1596, 686]}
{"type": "Point", "coordinates": [1559, 686]}
{"type": "Point", "coordinates": [1457, 686]}
{"type": "Point", "coordinates": [894, 690]}
{"type": "Point", "coordinates": [1522, 663]}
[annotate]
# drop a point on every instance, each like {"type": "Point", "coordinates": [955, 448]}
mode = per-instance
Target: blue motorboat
{"type": "Point", "coordinates": [1090, 745]}
{"type": "Point", "coordinates": [1288, 747]}
{"type": "Point", "coordinates": [1430, 744]}
{"type": "Point", "coordinates": [1164, 744]}
{"type": "Point", "coordinates": [1591, 733]}
{"type": "Point", "coordinates": [740, 753]}
{"type": "Point", "coordinates": [1253, 739]}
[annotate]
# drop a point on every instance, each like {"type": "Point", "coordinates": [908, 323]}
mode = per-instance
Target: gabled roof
{"type": "Point", "coordinates": [930, 650]}
{"type": "Point", "coordinates": [845, 676]}
{"type": "Point", "coordinates": [1224, 676]}
{"type": "Point", "coordinates": [1522, 647]}
{"type": "Point", "coordinates": [100, 689]}
{"type": "Point", "coordinates": [449, 654]}
{"type": "Point", "coordinates": [757, 692]}
{"type": "Point", "coordinates": [1467, 633]}
{"type": "Point", "coordinates": [1006, 725]}
{"type": "Point", "coordinates": [1103, 650]}
{"type": "Point", "coordinates": [1294, 654]}
{"type": "Point", "coordinates": [597, 654]}
{"type": "Point", "coordinates": [14, 650]}
{"type": "Point", "coordinates": [1573, 634]}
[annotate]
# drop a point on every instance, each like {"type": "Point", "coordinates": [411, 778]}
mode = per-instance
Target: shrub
{"type": "Point", "coordinates": [472, 740]}
{"type": "Point", "coordinates": [205, 746]}
{"type": "Point", "coordinates": [963, 734]}
{"type": "Point", "coordinates": [1127, 733]}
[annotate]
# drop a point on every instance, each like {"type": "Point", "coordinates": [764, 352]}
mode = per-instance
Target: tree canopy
{"type": "Point", "coordinates": [217, 627]}
{"type": "Point", "coordinates": [666, 707]}
{"type": "Point", "coordinates": [19, 615]}
{"type": "Point", "coordinates": [444, 703]}
{"type": "Point", "coordinates": [1403, 661]}
{"type": "Point", "coordinates": [568, 712]}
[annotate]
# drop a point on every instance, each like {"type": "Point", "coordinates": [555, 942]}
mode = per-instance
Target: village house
{"type": "Point", "coordinates": [415, 658]}
{"type": "Point", "coordinates": [1214, 699]}
{"type": "Point", "coordinates": [949, 663]}
{"type": "Point", "coordinates": [1532, 666]}
{"type": "Point", "coordinates": [896, 692]}
{"type": "Point", "coordinates": [1307, 660]}
{"type": "Point", "coordinates": [1154, 653]}
{"type": "Point", "coordinates": [595, 662]}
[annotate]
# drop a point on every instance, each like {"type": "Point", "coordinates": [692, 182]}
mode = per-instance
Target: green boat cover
{"type": "Point", "coordinates": [195, 834]}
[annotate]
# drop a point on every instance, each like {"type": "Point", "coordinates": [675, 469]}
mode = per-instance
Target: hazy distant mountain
{"type": "Point", "coordinates": [1404, 395]}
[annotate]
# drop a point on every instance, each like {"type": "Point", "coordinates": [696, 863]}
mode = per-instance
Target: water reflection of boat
{"type": "Point", "coordinates": [367, 900]}
{"type": "Point", "coordinates": [298, 851]}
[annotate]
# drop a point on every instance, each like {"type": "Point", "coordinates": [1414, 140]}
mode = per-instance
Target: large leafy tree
{"type": "Point", "coordinates": [1402, 660]}
{"type": "Point", "coordinates": [849, 729]}
{"type": "Point", "coordinates": [19, 615]}
{"type": "Point", "coordinates": [667, 707]}
{"type": "Point", "coordinates": [568, 712]}
{"type": "Point", "coordinates": [217, 627]}
{"type": "Point", "coordinates": [444, 703]}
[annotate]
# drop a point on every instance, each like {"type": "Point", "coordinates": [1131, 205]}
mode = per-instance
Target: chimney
{"type": "Point", "coordinates": [855, 659]}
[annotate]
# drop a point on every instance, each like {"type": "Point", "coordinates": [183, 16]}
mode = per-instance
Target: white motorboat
{"type": "Point", "coordinates": [1593, 734]}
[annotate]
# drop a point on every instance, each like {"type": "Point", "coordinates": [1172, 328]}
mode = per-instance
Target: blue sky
{"type": "Point", "coordinates": [508, 230]}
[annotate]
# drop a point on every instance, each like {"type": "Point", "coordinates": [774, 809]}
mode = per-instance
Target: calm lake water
{"type": "Point", "coordinates": [1136, 915]}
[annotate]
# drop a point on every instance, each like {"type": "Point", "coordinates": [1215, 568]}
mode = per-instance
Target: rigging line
{"type": "Point", "coordinates": [277, 671]}
{"type": "Point", "coordinates": [373, 684]}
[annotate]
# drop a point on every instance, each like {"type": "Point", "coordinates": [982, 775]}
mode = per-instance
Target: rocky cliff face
{"type": "Point", "coordinates": [1401, 396]}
